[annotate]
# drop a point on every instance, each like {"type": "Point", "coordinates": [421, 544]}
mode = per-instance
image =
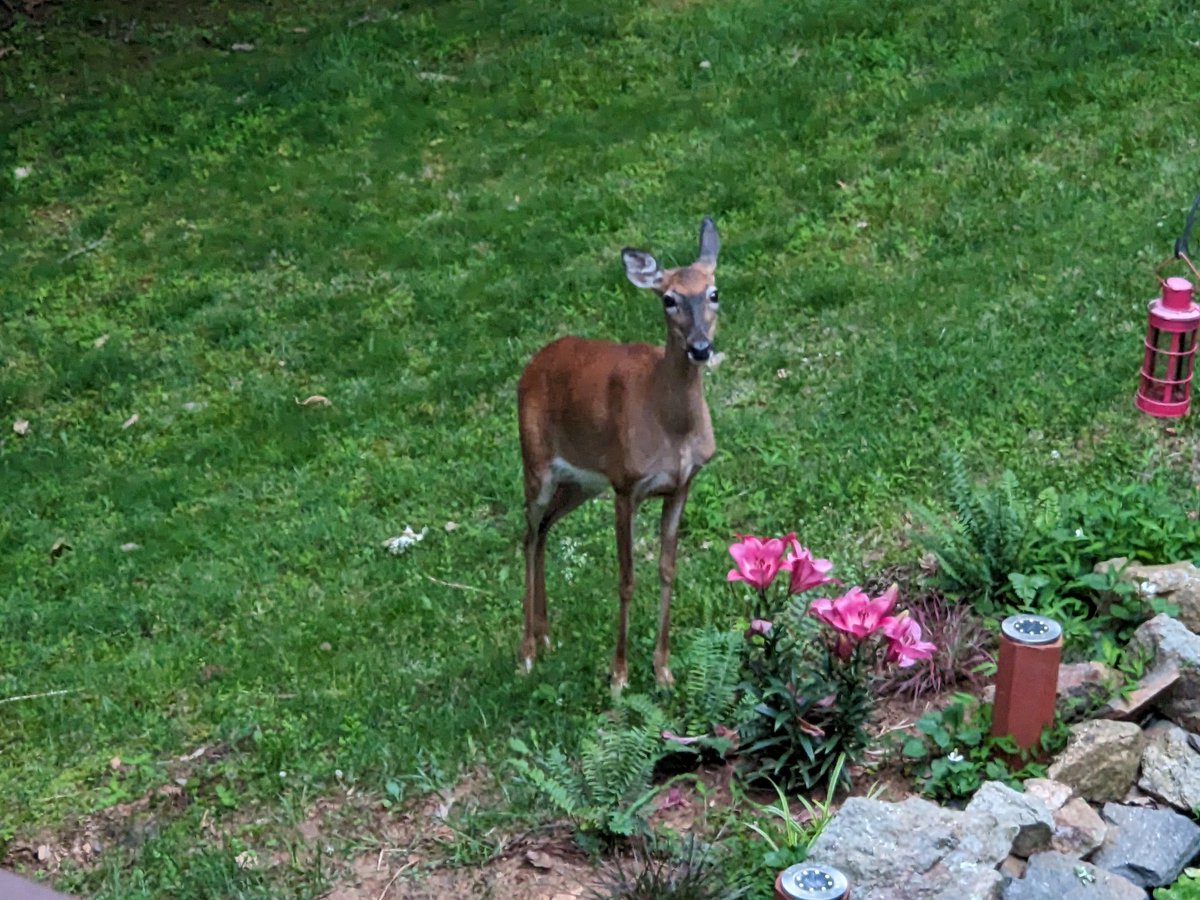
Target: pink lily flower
{"type": "Point", "coordinates": [807, 573]}
{"type": "Point", "coordinates": [904, 641]}
{"type": "Point", "coordinates": [854, 613]}
{"type": "Point", "coordinates": [758, 561]}
{"type": "Point", "coordinates": [759, 626]}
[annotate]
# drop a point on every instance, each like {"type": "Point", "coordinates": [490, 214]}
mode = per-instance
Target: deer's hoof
{"type": "Point", "coordinates": [620, 681]}
{"type": "Point", "coordinates": [528, 665]}
{"type": "Point", "coordinates": [664, 677]}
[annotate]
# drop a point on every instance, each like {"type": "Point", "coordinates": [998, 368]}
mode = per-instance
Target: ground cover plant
{"type": "Point", "coordinates": [269, 272]}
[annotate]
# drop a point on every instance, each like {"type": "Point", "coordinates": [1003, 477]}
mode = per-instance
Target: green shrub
{"type": "Point", "coordinates": [955, 753]}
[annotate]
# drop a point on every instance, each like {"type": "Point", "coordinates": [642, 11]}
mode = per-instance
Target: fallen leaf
{"type": "Point", "coordinates": [540, 859]}
{"type": "Point", "coordinates": [451, 526]}
{"type": "Point", "coordinates": [195, 754]}
{"type": "Point", "coordinates": [130, 547]}
{"type": "Point", "coordinates": [131, 421]}
{"type": "Point", "coordinates": [115, 762]}
{"type": "Point", "coordinates": [299, 29]}
{"type": "Point", "coordinates": [241, 47]}
{"type": "Point", "coordinates": [674, 798]}
{"type": "Point", "coordinates": [246, 859]}
{"type": "Point", "coordinates": [100, 341]}
{"type": "Point", "coordinates": [58, 549]}
{"type": "Point", "coordinates": [21, 426]}
{"type": "Point", "coordinates": [43, 853]}
{"type": "Point", "coordinates": [314, 400]}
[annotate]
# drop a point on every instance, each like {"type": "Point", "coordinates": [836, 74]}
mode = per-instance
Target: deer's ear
{"type": "Point", "coordinates": [641, 268]}
{"type": "Point", "coordinates": [710, 244]}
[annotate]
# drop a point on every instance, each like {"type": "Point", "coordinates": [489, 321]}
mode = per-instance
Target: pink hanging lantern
{"type": "Point", "coordinates": [1167, 368]}
{"type": "Point", "coordinates": [1165, 387]}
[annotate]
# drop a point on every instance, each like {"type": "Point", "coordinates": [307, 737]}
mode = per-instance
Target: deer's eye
{"type": "Point", "coordinates": [712, 298]}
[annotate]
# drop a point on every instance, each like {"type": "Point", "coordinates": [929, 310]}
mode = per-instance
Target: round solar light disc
{"type": "Point", "coordinates": [808, 881]}
{"type": "Point", "coordinates": [1026, 628]}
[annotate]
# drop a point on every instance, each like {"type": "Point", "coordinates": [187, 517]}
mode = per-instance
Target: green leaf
{"type": "Point", "coordinates": [914, 748]}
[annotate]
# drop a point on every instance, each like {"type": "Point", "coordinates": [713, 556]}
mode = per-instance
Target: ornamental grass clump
{"type": "Point", "coordinates": [810, 664]}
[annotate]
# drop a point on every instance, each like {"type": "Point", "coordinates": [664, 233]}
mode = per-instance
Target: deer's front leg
{"type": "Point", "coordinates": [624, 510]}
{"type": "Point", "coordinates": [672, 513]}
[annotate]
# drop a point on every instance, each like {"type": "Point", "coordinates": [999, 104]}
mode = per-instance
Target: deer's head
{"type": "Point", "coordinates": [689, 294]}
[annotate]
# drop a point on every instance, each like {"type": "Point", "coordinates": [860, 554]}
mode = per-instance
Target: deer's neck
{"type": "Point", "coordinates": [679, 393]}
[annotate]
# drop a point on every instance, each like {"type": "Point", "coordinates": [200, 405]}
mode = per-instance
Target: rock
{"type": "Point", "coordinates": [1086, 684]}
{"type": "Point", "coordinates": [1177, 582]}
{"type": "Point", "coordinates": [1144, 695]}
{"type": "Point", "coordinates": [915, 850]}
{"type": "Point", "coordinates": [1026, 811]}
{"type": "Point", "coordinates": [14, 887]}
{"type": "Point", "coordinates": [1150, 847]}
{"type": "Point", "coordinates": [1101, 759]}
{"type": "Point", "coordinates": [1053, 793]}
{"type": "Point", "coordinates": [1171, 766]}
{"type": "Point", "coordinates": [1078, 829]}
{"type": "Point", "coordinates": [1169, 644]}
{"type": "Point", "coordinates": [1013, 867]}
{"type": "Point", "coordinates": [1066, 877]}
{"type": "Point", "coordinates": [1080, 685]}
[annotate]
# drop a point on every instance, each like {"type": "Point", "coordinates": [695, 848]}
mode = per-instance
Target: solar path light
{"type": "Point", "coordinates": [1026, 678]}
{"type": "Point", "coordinates": [809, 881]}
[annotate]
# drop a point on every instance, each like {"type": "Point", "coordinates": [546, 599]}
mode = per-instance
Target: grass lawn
{"type": "Point", "coordinates": [939, 221]}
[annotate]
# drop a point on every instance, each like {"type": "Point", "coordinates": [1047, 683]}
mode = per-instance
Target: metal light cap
{"type": "Point", "coordinates": [1026, 628]}
{"type": "Point", "coordinates": [809, 881]}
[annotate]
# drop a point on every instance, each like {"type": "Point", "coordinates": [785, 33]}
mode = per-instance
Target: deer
{"type": "Point", "coordinates": [596, 414]}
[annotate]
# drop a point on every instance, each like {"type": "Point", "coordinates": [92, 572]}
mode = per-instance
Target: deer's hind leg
{"type": "Point", "coordinates": [547, 501]}
{"type": "Point", "coordinates": [567, 496]}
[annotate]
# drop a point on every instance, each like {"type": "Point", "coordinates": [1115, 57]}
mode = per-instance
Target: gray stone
{"type": "Point", "coordinates": [1063, 877]}
{"type": "Point", "coordinates": [915, 850]}
{"type": "Point", "coordinates": [1053, 793]}
{"type": "Point", "coordinates": [1078, 829]}
{"type": "Point", "coordinates": [1101, 759]}
{"type": "Point", "coordinates": [1169, 644]}
{"type": "Point", "coordinates": [1133, 705]}
{"type": "Point", "coordinates": [1085, 685]}
{"type": "Point", "coordinates": [1026, 811]}
{"type": "Point", "coordinates": [1150, 847]}
{"type": "Point", "coordinates": [1171, 766]}
{"type": "Point", "coordinates": [1177, 582]}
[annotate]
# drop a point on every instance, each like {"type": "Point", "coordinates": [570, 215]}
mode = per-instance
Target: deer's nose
{"type": "Point", "coordinates": [700, 351]}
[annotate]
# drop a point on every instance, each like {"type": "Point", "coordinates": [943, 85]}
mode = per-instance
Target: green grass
{"type": "Point", "coordinates": [940, 220]}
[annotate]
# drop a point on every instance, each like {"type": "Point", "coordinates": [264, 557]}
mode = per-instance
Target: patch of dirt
{"type": "Point", "coordinates": [548, 871]}
{"type": "Point", "coordinates": [405, 852]}
{"type": "Point", "coordinates": [127, 824]}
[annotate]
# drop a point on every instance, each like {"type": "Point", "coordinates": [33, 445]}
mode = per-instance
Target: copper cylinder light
{"type": "Point", "coordinates": [1027, 678]}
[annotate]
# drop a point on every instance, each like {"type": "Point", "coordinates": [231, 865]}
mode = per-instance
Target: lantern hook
{"type": "Point", "coordinates": [1181, 242]}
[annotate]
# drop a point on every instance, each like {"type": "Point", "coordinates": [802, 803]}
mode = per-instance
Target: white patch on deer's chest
{"type": "Point", "coordinates": [591, 481]}
{"type": "Point", "coordinates": [676, 472]}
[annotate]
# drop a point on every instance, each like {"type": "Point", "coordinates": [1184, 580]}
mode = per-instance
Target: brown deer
{"type": "Point", "coordinates": [633, 416]}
